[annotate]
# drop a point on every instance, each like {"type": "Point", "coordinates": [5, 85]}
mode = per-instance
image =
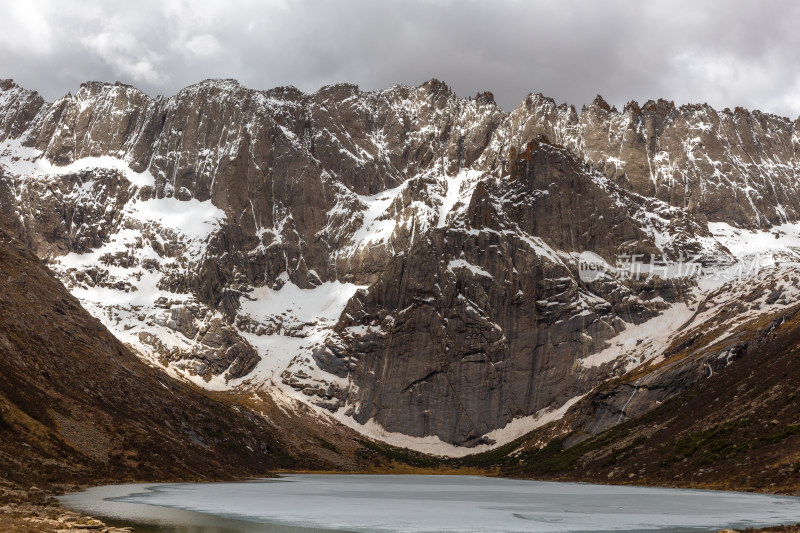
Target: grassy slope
{"type": "Point", "coordinates": [77, 406]}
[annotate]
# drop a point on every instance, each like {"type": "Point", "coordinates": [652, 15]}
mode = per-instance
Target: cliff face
{"type": "Point", "coordinates": [403, 258]}
{"type": "Point", "coordinates": [484, 321]}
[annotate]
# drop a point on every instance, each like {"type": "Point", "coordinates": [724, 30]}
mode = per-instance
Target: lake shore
{"type": "Point", "coordinates": [199, 504]}
{"type": "Point", "coordinates": [35, 510]}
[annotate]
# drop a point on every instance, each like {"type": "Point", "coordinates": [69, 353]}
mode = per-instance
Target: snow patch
{"type": "Point", "coordinates": [434, 446]}
{"type": "Point", "coordinates": [772, 245]}
{"type": "Point", "coordinates": [29, 162]}
{"type": "Point", "coordinates": [461, 263]}
{"type": "Point", "coordinates": [299, 320]}
{"type": "Point", "coordinates": [455, 193]}
{"type": "Point", "coordinates": [193, 219]}
{"type": "Point", "coordinates": [643, 341]}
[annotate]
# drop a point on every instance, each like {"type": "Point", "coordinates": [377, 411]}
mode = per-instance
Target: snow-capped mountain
{"type": "Point", "coordinates": [407, 261]}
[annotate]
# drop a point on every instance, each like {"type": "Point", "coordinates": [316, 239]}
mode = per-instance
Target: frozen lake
{"type": "Point", "coordinates": [387, 503]}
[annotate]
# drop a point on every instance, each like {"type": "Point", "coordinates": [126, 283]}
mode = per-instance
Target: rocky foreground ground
{"type": "Point", "coordinates": [23, 511]}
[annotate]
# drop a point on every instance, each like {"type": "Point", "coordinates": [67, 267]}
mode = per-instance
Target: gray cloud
{"type": "Point", "coordinates": [725, 53]}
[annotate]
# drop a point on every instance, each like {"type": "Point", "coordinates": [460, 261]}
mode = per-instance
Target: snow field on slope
{"type": "Point", "coordinates": [25, 161]}
{"type": "Point", "coordinates": [305, 318]}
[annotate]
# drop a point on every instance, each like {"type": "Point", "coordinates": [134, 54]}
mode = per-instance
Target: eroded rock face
{"type": "Point", "coordinates": [484, 321]}
{"type": "Point", "coordinates": [403, 256]}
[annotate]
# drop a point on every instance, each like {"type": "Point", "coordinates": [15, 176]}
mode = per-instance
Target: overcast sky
{"type": "Point", "coordinates": [726, 53]}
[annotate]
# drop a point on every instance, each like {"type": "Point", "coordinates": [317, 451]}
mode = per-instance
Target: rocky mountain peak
{"type": "Point", "coordinates": [405, 260]}
{"type": "Point", "coordinates": [600, 103]}
{"type": "Point", "coordinates": [658, 107]}
{"type": "Point", "coordinates": [485, 98]}
{"type": "Point", "coordinates": [632, 107]}
{"type": "Point", "coordinates": [437, 87]}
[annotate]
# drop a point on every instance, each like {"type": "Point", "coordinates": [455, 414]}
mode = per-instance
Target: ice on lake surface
{"type": "Point", "coordinates": [389, 503]}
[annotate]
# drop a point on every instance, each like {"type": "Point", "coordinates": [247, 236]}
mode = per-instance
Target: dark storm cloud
{"type": "Point", "coordinates": [722, 52]}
